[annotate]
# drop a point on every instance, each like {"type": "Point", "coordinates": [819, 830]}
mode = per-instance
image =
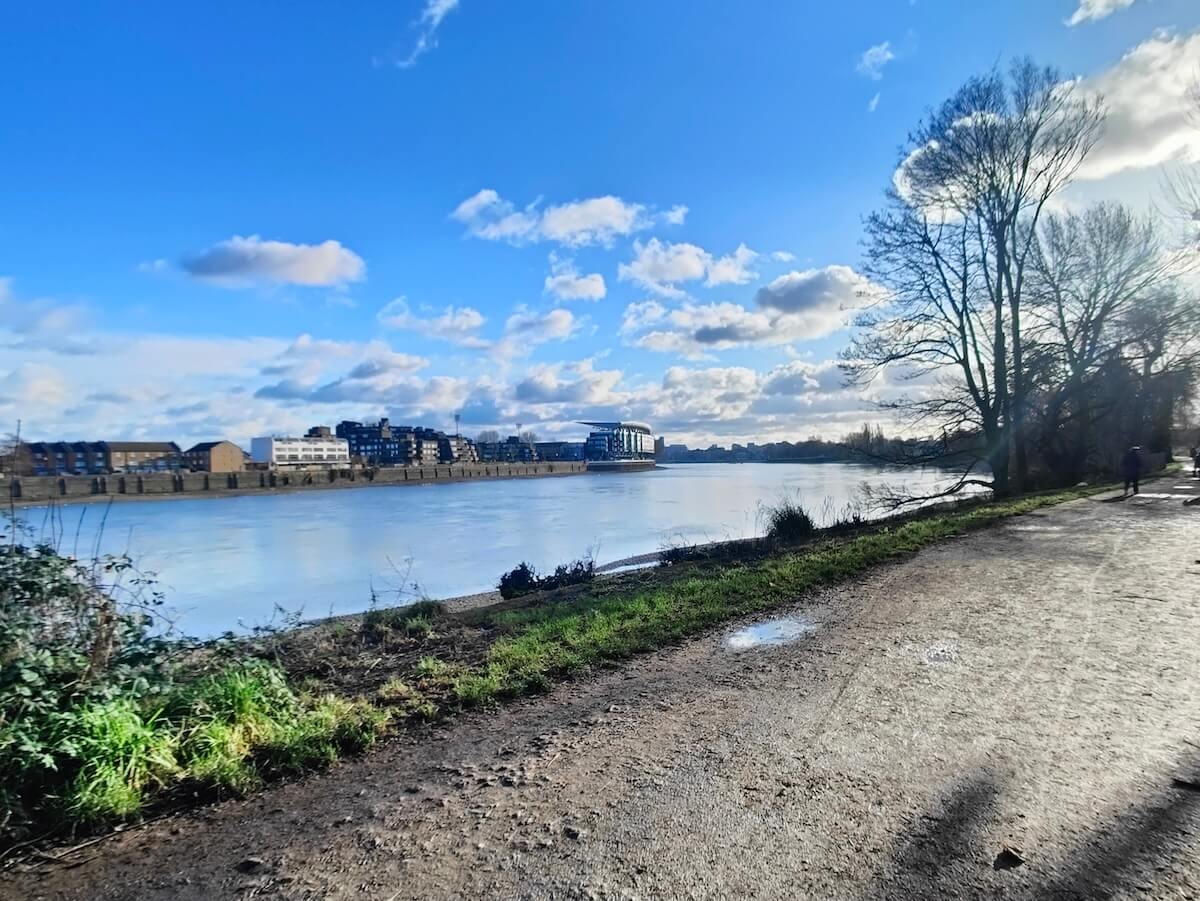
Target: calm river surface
{"type": "Point", "coordinates": [225, 563]}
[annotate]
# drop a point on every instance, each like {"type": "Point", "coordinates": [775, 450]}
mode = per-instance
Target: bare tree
{"type": "Point", "coordinates": [1090, 273]}
{"type": "Point", "coordinates": [1182, 185]}
{"type": "Point", "coordinates": [953, 246]}
{"type": "Point", "coordinates": [529, 437]}
{"type": "Point", "coordinates": [994, 155]}
{"type": "Point", "coordinates": [487, 436]}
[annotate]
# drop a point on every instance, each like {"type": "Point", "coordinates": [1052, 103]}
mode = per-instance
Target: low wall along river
{"type": "Point", "coordinates": [40, 489]}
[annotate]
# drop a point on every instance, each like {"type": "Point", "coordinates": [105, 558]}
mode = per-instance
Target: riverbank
{"type": "Point", "coordinates": [422, 663]}
{"type": "Point", "coordinates": [37, 490]}
{"type": "Point", "coordinates": [923, 722]}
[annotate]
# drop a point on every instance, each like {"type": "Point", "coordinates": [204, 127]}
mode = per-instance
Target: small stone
{"type": "Point", "coordinates": [574, 832]}
{"type": "Point", "coordinates": [1009, 858]}
{"type": "Point", "coordinates": [250, 865]}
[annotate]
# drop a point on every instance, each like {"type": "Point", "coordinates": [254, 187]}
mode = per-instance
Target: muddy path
{"type": "Point", "coordinates": [1033, 687]}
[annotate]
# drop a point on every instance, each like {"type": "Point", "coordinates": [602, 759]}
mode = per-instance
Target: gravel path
{"type": "Point", "coordinates": [1035, 687]}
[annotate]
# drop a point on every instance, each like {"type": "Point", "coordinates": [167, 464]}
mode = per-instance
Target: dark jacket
{"type": "Point", "coordinates": [1131, 463]}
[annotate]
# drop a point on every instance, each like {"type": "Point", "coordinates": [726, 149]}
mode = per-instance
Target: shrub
{"type": "Point", "coordinates": [788, 522]}
{"type": "Point", "coordinates": [525, 580]}
{"type": "Point", "coordinates": [80, 661]}
{"type": "Point", "coordinates": [96, 714]}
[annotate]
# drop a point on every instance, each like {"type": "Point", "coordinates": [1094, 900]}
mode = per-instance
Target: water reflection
{"type": "Point", "coordinates": [775, 631]}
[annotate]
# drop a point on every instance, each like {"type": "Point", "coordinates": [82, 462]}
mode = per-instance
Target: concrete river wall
{"type": "Point", "coordinates": [40, 489]}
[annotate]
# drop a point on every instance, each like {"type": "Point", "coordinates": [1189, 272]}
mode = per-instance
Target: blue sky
{"type": "Point", "coordinates": [243, 219]}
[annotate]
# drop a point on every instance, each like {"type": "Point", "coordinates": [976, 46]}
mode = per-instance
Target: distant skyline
{"type": "Point", "coordinates": [232, 220]}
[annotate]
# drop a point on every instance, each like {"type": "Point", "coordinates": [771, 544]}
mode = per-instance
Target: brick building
{"type": "Point", "coordinates": [215, 456]}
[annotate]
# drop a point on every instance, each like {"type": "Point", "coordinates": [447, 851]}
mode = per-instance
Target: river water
{"type": "Point", "coordinates": [228, 563]}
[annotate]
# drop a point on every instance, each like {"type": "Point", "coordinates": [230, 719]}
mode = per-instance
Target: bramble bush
{"type": "Point", "coordinates": [524, 579]}
{"type": "Point", "coordinates": [101, 708]}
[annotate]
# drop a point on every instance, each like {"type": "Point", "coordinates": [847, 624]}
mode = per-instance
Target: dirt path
{"type": "Point", "coordinates": [1036, 686]}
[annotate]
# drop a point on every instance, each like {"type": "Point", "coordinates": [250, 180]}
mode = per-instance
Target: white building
{"type": "Point", "coordinates": [291, 453]}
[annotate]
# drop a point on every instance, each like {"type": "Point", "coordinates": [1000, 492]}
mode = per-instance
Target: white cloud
{"type": "Point", "coordinates": [42, 323]}
{"type": "Point", "coordinates": [732, 269]}
{"type": "Point", "coordinates": [1094, 10]}
{"type": "Point", "coordinates": [525, 329]}
{"type": "Point", "coordinates": [458, 325]}
{"type": "Point", "coordinates": [565, 282]}
{"type": "Point", "coordinates": [783, 256]}
{"type": "Point", "coordinates": [538, 328]}
{"type": "Point", "coordinates": [431, 17]}
{"type": "Point", "coordinates": [873, 59]}
{"type": "Point", "coordinates": [675, 215]}
{"type": "Point", "coordinates": [243, 261]}
{"type": "Point", "coordinates": [569, 383]}
{"type": "Point", "coordinates": [834, 289]}
{"type": "Point", "coordinates": [661, 266]}
{"type": "Point", "coordinates": [638, 315]}
{"type": "Point", "coordinates": [596, 220]}
{"type": "Point", "coordinates": [1151, 108]}
{"type": "Point", "coordinates": [874, 103]}
{"type": "Point", "coordinates": [798, 306]}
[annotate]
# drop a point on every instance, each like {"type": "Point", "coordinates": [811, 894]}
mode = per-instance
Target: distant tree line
{"type": "Point", "coordinates": [1038, 343]}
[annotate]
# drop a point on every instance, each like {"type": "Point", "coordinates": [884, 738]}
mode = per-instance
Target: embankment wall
{"type": "Point", "coordinates": [40, 489]}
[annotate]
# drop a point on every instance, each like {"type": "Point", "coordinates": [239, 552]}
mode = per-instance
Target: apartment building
{"type": "Point", "coordinates": [300, 453]}
{"type": "Point", "coordinates": [99, 457]}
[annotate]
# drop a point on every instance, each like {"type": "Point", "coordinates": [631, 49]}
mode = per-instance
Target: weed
{"type": "Point", "coordinates": [378, 624]}
{"type": "Point", "coordinates": [419, 626]}
{"type": "Point", "coordinates": [788, 522]}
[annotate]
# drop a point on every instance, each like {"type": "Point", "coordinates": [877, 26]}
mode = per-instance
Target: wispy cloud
{"type": "Point", "coordinates": [431, 18]}
{"type": "Point", "coordinates": [594, 220]}
{"type": "Point", "coordinates": [1094, 10]}
{"type": "Point", "coordinates": [873, 59]}
{"type": "Point", "coordinates": [874, 104]}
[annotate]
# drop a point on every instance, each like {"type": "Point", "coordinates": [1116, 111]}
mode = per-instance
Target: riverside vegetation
{"type": "Point", "coordinates": [105, 719]}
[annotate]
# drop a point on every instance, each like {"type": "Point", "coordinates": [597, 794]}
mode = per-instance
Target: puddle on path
{"type": "Point", "coordinates": [773, 631]}
{"type": "Point", "coordinates": [940, 654]}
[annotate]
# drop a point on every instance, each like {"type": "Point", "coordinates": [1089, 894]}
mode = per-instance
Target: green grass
{"type": "Point", "coordinates": [228, 730]}
{"type": "Point", "coordinates": [547, 643]}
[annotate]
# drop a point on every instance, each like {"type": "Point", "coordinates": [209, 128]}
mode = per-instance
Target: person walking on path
{"type": "Point", "coordinates": [1196, 461]}
{"type": "Point", "coordinates": [1131, 468]}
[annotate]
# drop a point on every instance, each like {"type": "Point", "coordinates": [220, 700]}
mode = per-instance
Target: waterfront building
{"type": "Point", "coordinates": [140, 456]}
{"type": "Point", "coordinates": [457, 449]}
{"type": "Point", "coordinates": [383, 444]}
{"type": "Point", "coordinates": [619, 441]}
{"type": "Point", "coordinates": [298, 453]}
{"type": "Point", "coordinates": [374, 445]}
{"type": "Point", "coordinates": [553, 451]}
{"type": "Point", "coordinates": [51, 458]}
{"type": "Point", "coordinates": [54, 458]}
{"type": "Point", "coordinates": [511, 450]}
{"type": "Point", "coordinates": [319, 431]}
{"type": "Point", "coordinates": [215, 456]}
